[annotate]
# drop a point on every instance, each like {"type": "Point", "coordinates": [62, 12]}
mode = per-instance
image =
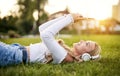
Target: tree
{"type": "Point", "coordinates": [27, 8]}
{"type": "Point", "coordinates": [40, 8]}
{"type": "Point", "coordinates": [8, 23]}
{"type": "Point", "coordinates": [108, 23]}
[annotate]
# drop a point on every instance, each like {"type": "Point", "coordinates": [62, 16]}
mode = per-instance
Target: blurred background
{"type": "Point", "coordinates": [23, 17]}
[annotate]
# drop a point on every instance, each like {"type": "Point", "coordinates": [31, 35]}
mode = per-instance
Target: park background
{"type": "Point", "coordinates": [20, 19]}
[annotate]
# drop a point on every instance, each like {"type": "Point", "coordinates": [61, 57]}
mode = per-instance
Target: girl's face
{"type": "Point", "coordinates": [84, 46]}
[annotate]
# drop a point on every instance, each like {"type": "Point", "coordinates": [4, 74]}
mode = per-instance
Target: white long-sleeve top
{"type": "Point", "coordinates": [38, 52]}
{"type": "Point", "coordinates": [49, 45]}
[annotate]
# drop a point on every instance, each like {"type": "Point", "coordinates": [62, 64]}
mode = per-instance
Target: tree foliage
{"type": "Point", "coordinates": [23, 23]}
{"type": "Point", "coordinates": [27, 8]}
{"type": "Point", "coordinates": [8, 23]}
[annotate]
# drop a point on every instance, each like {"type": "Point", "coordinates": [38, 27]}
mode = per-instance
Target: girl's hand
{"type": "Point", "coordinates": [78, 59]}
{"type": "Point", "coordinates": [76, 17]}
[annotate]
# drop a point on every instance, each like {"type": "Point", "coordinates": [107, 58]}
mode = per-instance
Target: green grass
{"type": "Point", "coordinates": [108, 65]}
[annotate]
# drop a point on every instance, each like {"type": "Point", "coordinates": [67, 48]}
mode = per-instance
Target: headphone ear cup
{"type": "Point", "coordinates": [86, 57]}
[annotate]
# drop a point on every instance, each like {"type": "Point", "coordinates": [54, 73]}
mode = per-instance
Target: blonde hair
{"type": "Point", "coordinates": [96, 51]}
{"type": "Point", "coordinates": [66, 47]}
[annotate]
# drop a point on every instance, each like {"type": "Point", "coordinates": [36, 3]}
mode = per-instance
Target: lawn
{"type": "Point", "coordinates": [108, 65]}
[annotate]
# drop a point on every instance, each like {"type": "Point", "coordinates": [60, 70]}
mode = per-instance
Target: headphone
{"type": "Point", "coordinates": [87, 57]}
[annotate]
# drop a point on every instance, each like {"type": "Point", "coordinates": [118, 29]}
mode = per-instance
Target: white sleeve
{"type": "Point", "coordinates": [47, 24]}
{"type": "Point", "coordinates": [47, 36]}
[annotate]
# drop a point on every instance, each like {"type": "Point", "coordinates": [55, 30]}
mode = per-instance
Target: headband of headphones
{"type": "Point", "coordinates": [95, 57]}
{"type": "Point", "coordinates": [87, 57]}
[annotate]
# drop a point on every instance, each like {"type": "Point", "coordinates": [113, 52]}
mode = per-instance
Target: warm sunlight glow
{"type": "Point", "coordinates": [6, 6]}
{"type": "Point", "coordinates": [35, 15]}
{"type": "Point", "coordinates": [99, 9]}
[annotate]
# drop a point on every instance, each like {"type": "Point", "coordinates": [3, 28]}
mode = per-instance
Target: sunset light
{"type": "Point", "coordinates": [99, 9]}
{"type": "Point", "coordinates": [6, 6]}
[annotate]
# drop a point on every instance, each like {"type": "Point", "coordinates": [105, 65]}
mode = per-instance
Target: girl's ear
{"type": "Point", "coordinates": [60, 41]}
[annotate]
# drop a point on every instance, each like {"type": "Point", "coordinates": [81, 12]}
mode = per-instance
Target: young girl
{"type": "Point", "coordinates": [50, 49]}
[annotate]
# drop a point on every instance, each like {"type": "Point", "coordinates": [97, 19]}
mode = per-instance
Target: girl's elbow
{"type": "Point", "coordinates": [46, 35]}
{"type": "Point", "coordinates": [40, 29]}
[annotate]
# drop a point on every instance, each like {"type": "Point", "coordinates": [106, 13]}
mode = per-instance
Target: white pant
{"type": "Point", "coordinates": [47, 32]}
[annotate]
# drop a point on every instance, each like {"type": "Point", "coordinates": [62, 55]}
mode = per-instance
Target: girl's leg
{"type": "Point", "coordinates": [47, 36]}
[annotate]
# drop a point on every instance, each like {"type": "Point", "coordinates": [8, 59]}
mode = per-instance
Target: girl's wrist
{"type": "Point", "coordinates": [76, 17]}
